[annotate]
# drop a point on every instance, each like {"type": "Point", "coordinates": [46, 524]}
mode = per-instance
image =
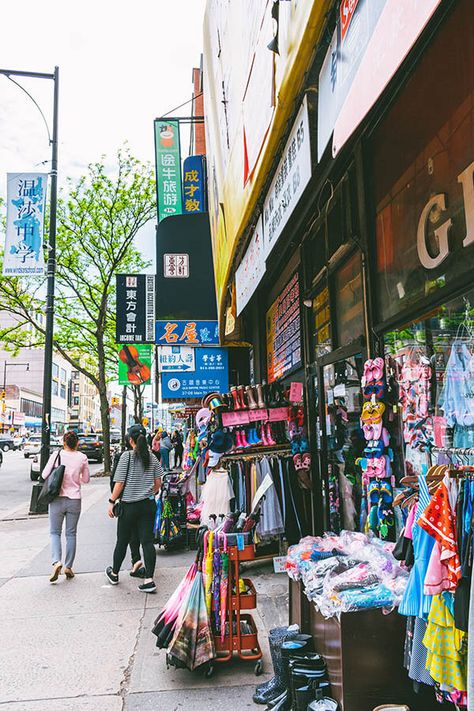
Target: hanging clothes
{"type": "Point", "coordinates": [271, 521]}
{"type": "Point", "coordinates": [446, 658]}
{"type": "Point", "coordinates": [216, 495]}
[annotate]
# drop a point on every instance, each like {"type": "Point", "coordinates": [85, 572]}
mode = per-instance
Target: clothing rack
{"type": "Point", "coordinates": [282, 451]}
{"type": "Point", "coordinates": [466, 451]}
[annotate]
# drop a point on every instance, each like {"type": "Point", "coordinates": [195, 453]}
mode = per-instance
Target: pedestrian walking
{"type": "Point", "coordinates": [136, 481]}
{"type": "Point", "coordinates": [138, 569]}
{"type": "Point", "coordinates": [155, 445]}
{"type": "Point", "coordinates": [165, 447]}
{"type": "Point", "coordinates": [68, 504]}
{"type": "Point", "coordinates": [177, 441]}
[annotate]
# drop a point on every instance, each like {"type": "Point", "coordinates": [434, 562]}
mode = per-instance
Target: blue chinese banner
{"type": "Point", "coordinates": [26, 204]}
{"type": "Point", "coordinates": [211, 374]}
{"type": "Point", "coordinates": [187, 333]}
{"type": "Point", "coordinates": [194, 190]}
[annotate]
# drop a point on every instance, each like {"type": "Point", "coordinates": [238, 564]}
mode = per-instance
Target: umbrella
{"type": "Point", "coordinates": [224, 587]}
{"type": "Point", "coordinates": [157, 526]}
{"type": "Point", "coordinates": [193, 643]}
{"type": "Point", "coordinates": [165, 623]}
{"type": "Point", "coordinates": [216, 584]}
{"type": "Point", "coordinates": [208, 569]}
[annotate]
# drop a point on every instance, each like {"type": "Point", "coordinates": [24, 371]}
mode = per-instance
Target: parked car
{"type": "Point", "coordinates": [92, 446]}
{"type": "Point", "coordinates": [6, 442]}
{"type": "Point", "coordinates": [32, 446]}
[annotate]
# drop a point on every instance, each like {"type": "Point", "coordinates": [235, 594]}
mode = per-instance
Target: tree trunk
{"type": "Point", "coordinates": [104, 404]}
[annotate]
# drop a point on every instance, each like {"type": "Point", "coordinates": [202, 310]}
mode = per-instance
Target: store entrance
{"type": "Point", "coordinates": [338, 405]}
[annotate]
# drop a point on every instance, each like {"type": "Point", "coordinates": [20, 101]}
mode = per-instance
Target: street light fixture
{"type": "Point", "coordinates": [51, 265]}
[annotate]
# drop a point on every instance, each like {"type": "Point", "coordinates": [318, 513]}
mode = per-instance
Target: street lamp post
{"type": "Point", "coordinates": [51, 265]}
{"type": "Point", "coordinates": [4, 389]}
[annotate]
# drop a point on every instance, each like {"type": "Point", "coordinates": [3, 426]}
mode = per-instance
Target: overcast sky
{"type": "Point", "coordinates": [121, 65]}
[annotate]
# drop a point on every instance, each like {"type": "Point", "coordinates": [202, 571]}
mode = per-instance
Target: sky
{"type": "Point", "coordinates": [121, 65]}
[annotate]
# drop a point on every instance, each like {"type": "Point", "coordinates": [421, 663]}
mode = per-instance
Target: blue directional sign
{"type": "Point", "coordinates": [176, 359]}
{"type": "Point", "coordinates": [187, 333]}
{"type": "Point", "coordinates": [212, 373]}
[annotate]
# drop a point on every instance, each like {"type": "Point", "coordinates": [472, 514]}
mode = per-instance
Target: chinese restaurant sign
{"type": "Point", "coordinates": [134, 364]}
{"type": "Point", "coordinates": [26, 203]}
{"type": "Point", "coordinates": [135, 308]}
{"type": "Point", "coordinates": [193, 185]}
{"type": "Point", "coordinates": [187, 333]}
{"type": "Point", "coordinates": [292, 176]}
{"type": "Point", "coordinates": [168, 169]}
{"type": "Point", "coordinates": [284, 332]}
{"type": "Point", "coordinates": [212, 373]}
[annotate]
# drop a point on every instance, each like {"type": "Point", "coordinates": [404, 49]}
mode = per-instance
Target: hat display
{"type": "Point", "coordinates": [136, 430]}
{"type": "Point", "coordinates": [202, 417]}
{"type": "Point", "coordinates": [214, 458]}
{"type": "Point", "coordinates": [213, 401]}
{"type": "Point", "coordinates": [220, 441]}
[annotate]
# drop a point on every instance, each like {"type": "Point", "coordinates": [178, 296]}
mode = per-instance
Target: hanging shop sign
{"type": "Point", "coordinates": [168, 169]}
{"type": "Point", "coordinates": [26, 204]}
{"type": "Point", "coordinates": [187, 333]}
{"type": "Point", "coordinates": [194, 186]}
{"type": "Point", "coordinates": [135, 308]}
{"type": "Point", "coordinates": [292, 176]}
{"type": "Point", "coordinates": [251, 269]}
{"type": "Point", "coordinates": [400, 24]}
{"type": "Point", "coordinates": [211, 374]}
{"type": "Point", "coordinates": [134, 364]}
{"type": "Point", "coordinates": [176, 359]}
{"type": "Point", "coordinates": [283, 326]}
{"type": "Point", "coordinates": [185, 276]}
{"type": "Point", "coordinates": [354, 28]}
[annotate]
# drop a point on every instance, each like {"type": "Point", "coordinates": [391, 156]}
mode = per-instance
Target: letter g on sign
{"type": "Point", "coordinates": [441, 234]}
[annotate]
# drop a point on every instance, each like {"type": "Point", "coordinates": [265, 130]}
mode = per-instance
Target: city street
{"type": "Point", "coordinates": [83, 644]}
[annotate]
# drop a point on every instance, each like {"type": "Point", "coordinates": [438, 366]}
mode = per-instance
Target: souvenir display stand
{"type": "Point", "coordinates": [244, 644]}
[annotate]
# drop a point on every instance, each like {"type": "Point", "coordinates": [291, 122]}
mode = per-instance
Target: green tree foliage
{"type": "Point", "coordinates": [98, 219]}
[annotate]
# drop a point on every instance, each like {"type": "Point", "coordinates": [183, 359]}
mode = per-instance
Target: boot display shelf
{"type": "Point", "coordinates": [244, 645]}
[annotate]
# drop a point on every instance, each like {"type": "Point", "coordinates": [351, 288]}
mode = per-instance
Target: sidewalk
{"type": "Point", "coordinates": [83, 644]}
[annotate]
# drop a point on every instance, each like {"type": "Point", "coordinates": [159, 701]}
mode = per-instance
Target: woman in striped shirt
{"type": "Point", "coordinates": [137, 480]}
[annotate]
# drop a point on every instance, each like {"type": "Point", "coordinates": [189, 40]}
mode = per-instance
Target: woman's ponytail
{"type": "Point", "coordinates": [142, 451]}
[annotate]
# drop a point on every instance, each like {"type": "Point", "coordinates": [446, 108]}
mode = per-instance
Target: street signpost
{"type": "Point", "coordinates": [176, 359]}
{"type": "Point", "coordinates": [211, 373]}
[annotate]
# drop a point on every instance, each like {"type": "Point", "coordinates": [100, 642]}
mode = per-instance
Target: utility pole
{"type": "Point", "coordinates": [124, 415]}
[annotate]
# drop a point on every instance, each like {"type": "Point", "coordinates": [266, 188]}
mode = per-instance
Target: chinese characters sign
{"type": "Point", "coordinates": [292, 176]}
{"type": "Point", "coordinates": [187, 333]}
{"type": "Point", "coordinates": [284, 332]}
{"type": "Point", "coordinates": [176, 266]}
{"type": "Point", "coordinates": [193, 184]}
{"type": "Point", "coordinates": [26, 203]}
{"type": "Point", "coordinates": [135, 322]}
{"type": "Point", "coordinates": [251, 269]}
{"type": "Point", "coordinates": [176, 359]}
{"type": "Point", "coordinates": [134, 364]}
{"type": "Point", "coordinates": [168, 169]}
{"type": "Point", "coordinates": [212, 373]}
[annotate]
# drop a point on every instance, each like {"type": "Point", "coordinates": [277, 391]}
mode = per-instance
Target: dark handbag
{"type": "Point", "coordinates": [117, 508]}
{"type": "Point", "coordinates": [53, 483]}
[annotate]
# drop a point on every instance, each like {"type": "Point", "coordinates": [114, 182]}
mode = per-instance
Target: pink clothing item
{"type": "Point", "coordinates": [436, 578]}
{"type": "Point", "coordinates": [410, 521]}
{"type": "Point", "coordinates": [76, 472]}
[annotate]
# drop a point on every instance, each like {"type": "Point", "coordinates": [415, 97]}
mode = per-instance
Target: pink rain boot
{"type": "Point", "coordinates": [238, 440]}
{"type": "Point", "coordinates": [243, 438]}
{"type": "Point", "coordinates": [270, 440]}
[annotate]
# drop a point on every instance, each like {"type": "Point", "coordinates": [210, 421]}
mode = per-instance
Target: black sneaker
{"type": "Point", "coordinates": [140, 573]}
{"type": "Point", "coordinates": [147, 587]}
{"type": "Point", "coordinates": [111, 576]}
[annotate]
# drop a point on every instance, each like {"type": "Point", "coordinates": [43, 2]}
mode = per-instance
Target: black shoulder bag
{"type": "Point", "coordinates": [53, 483]}
{"type": "Point", "coordinates": [117, 508]}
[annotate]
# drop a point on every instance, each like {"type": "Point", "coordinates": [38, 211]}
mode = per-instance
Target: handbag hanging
{"type": "Point", "coordinates": [117, 508]}
{"type": "Point", "coordinates": [53, 483]}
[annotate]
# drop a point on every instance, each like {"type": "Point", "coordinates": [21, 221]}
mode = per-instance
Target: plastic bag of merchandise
{"type": "Point", "coordinates": [298, 557]}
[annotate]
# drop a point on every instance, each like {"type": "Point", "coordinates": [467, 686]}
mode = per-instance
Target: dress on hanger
{"type": "Point", "coordinates": [271, 522]}
{"type": "Point", "coordinates": [216, 495]}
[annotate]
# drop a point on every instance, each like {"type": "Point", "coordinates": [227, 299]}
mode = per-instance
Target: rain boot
{"type": "Point", "coordinates": [250, 436]}
{"type": "Point", "coordinates": [250, 398]}
{"type": "Point", "coordinates": [241, 397]}
{"type": "Point", "coordinates": [263, 435]}
{"type": "Point", "coordinates": [257, 439]}
{"type": "Point", "coordinates": [243, 439]}
{"type": "Point", "coordinates": [238, 439]}
{"type": "Point", "coordinates": [270, 439]}
{"type": "Point", "coordinates": [235, 398]}
{"type": "Point", "coordinates": [260, 397]}
{"type": "Point", "coordinates": [277, 686]}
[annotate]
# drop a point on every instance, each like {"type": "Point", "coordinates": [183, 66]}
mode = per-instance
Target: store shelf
{"type": "Point", "coordinates": [248, 600]}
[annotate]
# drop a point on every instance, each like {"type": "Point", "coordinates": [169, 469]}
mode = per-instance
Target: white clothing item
{"type": "Point", "coordinates": [216, 495]}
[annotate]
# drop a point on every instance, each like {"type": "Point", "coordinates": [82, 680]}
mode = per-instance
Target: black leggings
{"type": "Point", "coordinates": [178, 457]}
{"type": "Point", "coordinates": [138, 515]}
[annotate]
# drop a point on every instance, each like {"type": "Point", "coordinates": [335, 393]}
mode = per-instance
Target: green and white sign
{"type": "Point", "coordinates": [134, 364]}
{"type": "Point", "coordinates": [168, 169]}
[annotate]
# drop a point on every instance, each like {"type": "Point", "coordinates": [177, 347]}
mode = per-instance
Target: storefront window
{"type": "Point", "coordinates": [434, 362]}
{"type": "Point", "coordinates": [321, 324]}
{"type": "Point", "coordinates": [342, 392]}
{"type": "Point", "coordinates": [349, 301]}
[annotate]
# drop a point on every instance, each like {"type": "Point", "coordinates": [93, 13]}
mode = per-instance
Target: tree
{"type": "Point", "coordinates": [98, 220]}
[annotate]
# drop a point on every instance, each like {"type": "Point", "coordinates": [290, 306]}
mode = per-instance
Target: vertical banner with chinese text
{"type": "Point", "coordinates": [135, 308]}
{"type": "Point", "coordinates": [26, 204]}
{"type": "Point", "coordinates": [168, 169]}
{"type": "Point", "coordinates": [194, 186]}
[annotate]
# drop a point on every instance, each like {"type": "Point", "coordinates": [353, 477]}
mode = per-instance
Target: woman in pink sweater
{"type": "Point", "coordinates": [68, 504]}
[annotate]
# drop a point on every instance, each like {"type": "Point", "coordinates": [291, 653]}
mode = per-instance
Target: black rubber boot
{"type": "Point", "coordinates": [272, 689]}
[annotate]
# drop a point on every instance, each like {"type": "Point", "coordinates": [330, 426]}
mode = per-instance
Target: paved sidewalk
{"type": "Point", "coordinates": [83, 644]}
